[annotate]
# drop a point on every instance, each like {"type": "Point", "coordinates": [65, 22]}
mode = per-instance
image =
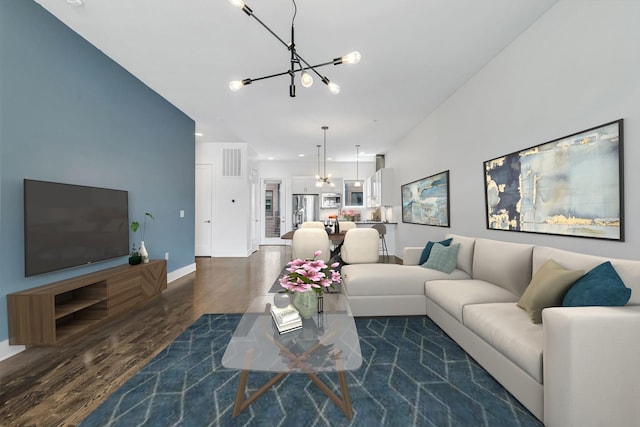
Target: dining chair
{"type": "Point", "coordinates": [347, 225]}
{"type": "Point", "coordinates": [308, 240]}
{"type": "Point", "coordinates": [382, 230]}
{"type": "Point", "coordinates": [360, 246]}
{"type": "Point", "coordinates": [312, 224]}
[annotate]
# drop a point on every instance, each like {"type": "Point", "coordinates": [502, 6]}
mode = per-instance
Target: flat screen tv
{"type": "Point", "coordinates": [69, 225]}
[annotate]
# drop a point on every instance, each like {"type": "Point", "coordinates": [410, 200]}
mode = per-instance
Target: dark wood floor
{"type": "Point", "coordinates": [60, 386]}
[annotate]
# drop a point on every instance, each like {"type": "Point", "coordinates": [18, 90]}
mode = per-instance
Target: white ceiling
{"type": "Point", "coordinates": [415, 54]}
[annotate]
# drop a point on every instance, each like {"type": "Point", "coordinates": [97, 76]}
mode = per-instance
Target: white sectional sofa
{"type": "Point", "coordinates": [579, 367]}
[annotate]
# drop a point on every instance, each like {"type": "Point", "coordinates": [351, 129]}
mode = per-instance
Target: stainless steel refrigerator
{"type": "Point", "coordinates": [306, 207]}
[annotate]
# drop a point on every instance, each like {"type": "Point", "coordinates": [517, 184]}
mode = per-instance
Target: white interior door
{"type": "Point", "coordinates": [255, 217]}
{"type": "Point", "coordinates": [204, 210]}
{"type": "Point", "coordinates": [273, 211]}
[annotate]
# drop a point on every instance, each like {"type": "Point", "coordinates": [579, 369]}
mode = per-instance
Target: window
{"type": "Point", "coordinates": [353, 194]}
{"type": "Point", "coordinates": [268, 203]}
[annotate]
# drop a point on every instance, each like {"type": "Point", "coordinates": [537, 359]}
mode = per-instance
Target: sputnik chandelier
{"type": "Point", "coordinates": [297, 63]}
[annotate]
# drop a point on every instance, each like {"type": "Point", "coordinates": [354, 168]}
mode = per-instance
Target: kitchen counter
{"type": "Point", "coordinates": [375, 222]}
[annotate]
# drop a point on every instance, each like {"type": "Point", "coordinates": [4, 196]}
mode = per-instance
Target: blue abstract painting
{"type": "Point", "coordinates": [570, 186]}
{"type": "Point", "coordinates": [426, 201]}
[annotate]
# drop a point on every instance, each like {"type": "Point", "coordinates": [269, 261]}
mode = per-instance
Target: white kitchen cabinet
{"type": "Point", "coordinates": [380, 188]}
{"type": "Point", "coordinates": [304, 185]}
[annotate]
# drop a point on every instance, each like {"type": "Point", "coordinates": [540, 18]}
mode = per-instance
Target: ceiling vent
{"type": "Point", "coordinates": [231, 162]}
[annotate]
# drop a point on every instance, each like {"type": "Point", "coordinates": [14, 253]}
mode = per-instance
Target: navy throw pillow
{"type": "Point", "coordinates": [599, 287]}
{"type": "Point", "coordinates": [427, 250]}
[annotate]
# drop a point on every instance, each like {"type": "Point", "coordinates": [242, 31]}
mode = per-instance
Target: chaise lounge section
{"type": "Point", "coordinates": [576, 368]}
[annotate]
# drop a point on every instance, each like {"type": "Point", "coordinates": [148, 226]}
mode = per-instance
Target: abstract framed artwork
{"type": "Point", "coordinates": [426, 201]}
{"type": "Point", "coordinates": [571, 186]}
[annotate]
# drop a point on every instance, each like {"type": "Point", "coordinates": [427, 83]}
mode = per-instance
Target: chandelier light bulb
{"type": "Point", "coordinates": [334, 88]}
{"type": "Point", "coordinates": [351, 58]}
{"type": "Point", "coordinates": [305, 79]}
{"type": "Point", "coordinates": [237, 3]}
{"type": "Point", "coordinates": [235, 85]}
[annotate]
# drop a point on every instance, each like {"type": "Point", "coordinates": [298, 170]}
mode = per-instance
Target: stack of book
{"type": "Point", "coordinates": [286, 319]}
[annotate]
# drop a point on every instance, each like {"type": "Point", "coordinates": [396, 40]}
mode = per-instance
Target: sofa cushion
{"type": "Point", "coordinates": [390, 279]}
{"type": "Point", "coordinates": [427, 249]}
{"type": "Point", "coordinates": [453, 295]}
{"type": "Point", "coordinates": [600, 286]}
{"type": "Point", "coordinates": [509, 330]}
{"type": "Point", "coordinates": [547, 288]}
{"type": "Point", "coordinates": [465, 254]}
{"type": "Point", "coordinates": [503, 263]}
{"type": "Point", "coordinates": [443, 258]}
{"type": "Point", "coordinates": [628, 270]}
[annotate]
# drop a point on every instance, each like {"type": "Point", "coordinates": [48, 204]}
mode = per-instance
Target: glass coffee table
{"type": "Point", "coordinates": [327, 342]}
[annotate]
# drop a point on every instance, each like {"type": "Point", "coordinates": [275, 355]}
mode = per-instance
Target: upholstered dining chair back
{"type": "Point", "coordinates": [346, 225]}
{"type": "Point", "coordinates": [308, 240]}
{"type": "Point", "coordinates": [312, 224]}
{"type": "Point", "coordinates": [360, 246]}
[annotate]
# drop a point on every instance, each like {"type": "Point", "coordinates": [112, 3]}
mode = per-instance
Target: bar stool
{"type": "Point", "coordinates": [382, 230]}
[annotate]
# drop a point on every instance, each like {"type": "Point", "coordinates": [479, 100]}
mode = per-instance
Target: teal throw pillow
{"type": "Point", "coordinates": [443, 258]}
{"type": "Point", "coordinates": [427, 249]}
{"type": "Point", "coordinates": [601, 286]}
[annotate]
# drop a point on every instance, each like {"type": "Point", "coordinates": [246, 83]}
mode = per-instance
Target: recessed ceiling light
{"type": "Point", "coordinates": [199, 134]}
{"type": "Point", "coordinates": [300, 155]}
{"type": "Point", "coordinates": [270, 158]}
{"type": "Point", "coordinates": [76, 2]}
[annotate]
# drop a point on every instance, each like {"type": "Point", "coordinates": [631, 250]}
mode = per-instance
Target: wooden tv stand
{"type": "Point", "coordinates": [62, 311]}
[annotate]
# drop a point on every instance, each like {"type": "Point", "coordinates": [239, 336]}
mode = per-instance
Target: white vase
{"type": "Point", "coordinates": [143, 253]}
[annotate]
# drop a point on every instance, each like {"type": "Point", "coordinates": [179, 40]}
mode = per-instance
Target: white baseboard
{"type": "Point", "coordinates": [6, 350]}
{"type": "Point", "coordinates": [176, 274]}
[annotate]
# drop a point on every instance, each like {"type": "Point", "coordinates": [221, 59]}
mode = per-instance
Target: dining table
{"type": "Point", "coordinates": [334, 237]}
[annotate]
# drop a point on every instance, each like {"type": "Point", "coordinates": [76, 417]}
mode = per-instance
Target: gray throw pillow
{"type": "Point", "coordinates": [443, 258]}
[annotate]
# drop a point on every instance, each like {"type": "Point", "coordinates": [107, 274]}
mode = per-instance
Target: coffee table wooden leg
{"type": "Point", "coordinates": [242, 385]}
{"type": "Point", "coordinates": [240, 403]}
{"type": "Point", "coordinates": [344, 390]}
{"type": "Point", "coordinates": [345, 403]}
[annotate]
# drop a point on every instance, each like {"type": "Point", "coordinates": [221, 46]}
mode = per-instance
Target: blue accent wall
{"type": "Point", "coordinates": [70, 114]}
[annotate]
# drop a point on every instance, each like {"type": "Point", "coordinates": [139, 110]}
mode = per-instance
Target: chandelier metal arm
{"type": "Point", "coordinates": [289, 72]}
{"type": "Point", "coordinates": [249, 12]}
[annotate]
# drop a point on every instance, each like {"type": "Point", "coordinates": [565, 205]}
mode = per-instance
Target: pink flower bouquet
{"type": "Point", "coordinates": [310, 274]}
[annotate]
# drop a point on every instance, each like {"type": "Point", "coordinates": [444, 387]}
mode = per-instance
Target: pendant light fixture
{"type": "Point", "coordinates": [357, 183]}
{"type": "Point", "coordinates": [325, 179]}
{"type": "Point", "coordinates": [297, 63]}
{"type": "Point", "coordinates": [319, 183]}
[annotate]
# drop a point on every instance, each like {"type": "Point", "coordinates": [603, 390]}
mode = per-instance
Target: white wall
{"type": "Point", "coordinates": [575, 68]}
{"type": "Point", "coordinates": [231, 201]}
{"type": "Point", "coordinates": [346, 170]}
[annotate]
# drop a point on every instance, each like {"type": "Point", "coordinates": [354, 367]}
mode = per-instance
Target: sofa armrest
{"type": "Point", "coordinates": [591, 366]}
{"type": "Point", "coordinates": [411, 255]}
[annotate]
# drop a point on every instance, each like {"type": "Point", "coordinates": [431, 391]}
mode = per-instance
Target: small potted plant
{"type": "Point", "coordinates": [142, 253]}
{"type": "Point", "coordinates": [135, 257]}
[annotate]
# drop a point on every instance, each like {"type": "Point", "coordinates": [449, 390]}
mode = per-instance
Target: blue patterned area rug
{"type": "Point", "coordinates": [412, 374]}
